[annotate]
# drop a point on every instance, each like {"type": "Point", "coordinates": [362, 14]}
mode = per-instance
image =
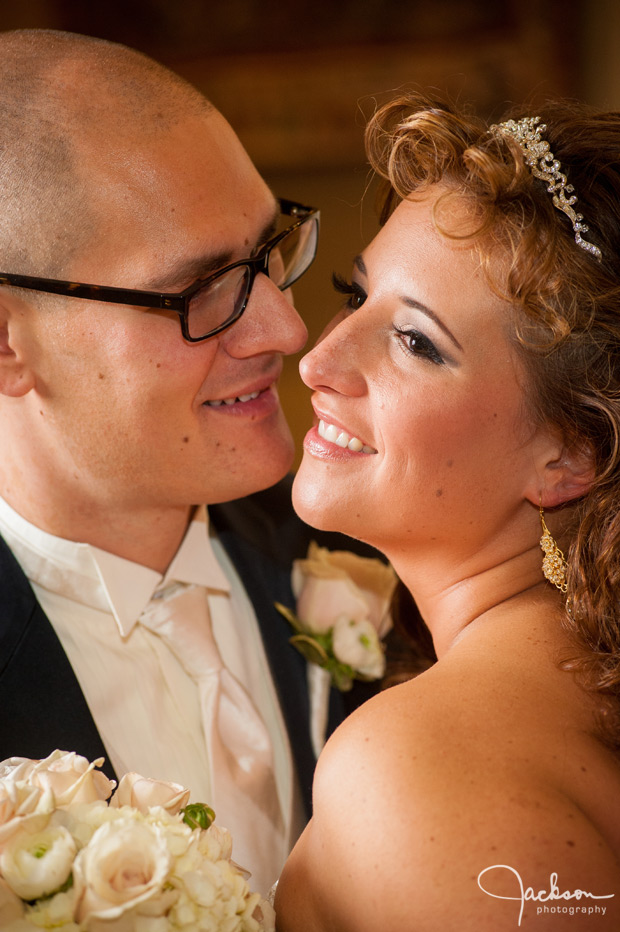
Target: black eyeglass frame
{"type": "Point", "coordinates": [178, 301]}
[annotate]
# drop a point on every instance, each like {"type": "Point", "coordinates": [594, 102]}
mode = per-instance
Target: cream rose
{"type": "Point", "coordinates": [11, 907]}
{"type": "Point", "coordinates": [71, 778]}
{"type": "Point", "coordinates": [125, 864]}
{"type": "Point", "coordinates": [22, 805]}
{"type": "Point", "coordinates": [328, 584]}
{"type": "Point", "coordinates": [356, 644]}
{"type": "Point", "coordinates": [36, 864]}
{"type": "Point", "coordinates": [145, 794]}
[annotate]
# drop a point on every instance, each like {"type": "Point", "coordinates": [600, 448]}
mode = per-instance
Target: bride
{"type": "Point", "coordinates": [467, 403]}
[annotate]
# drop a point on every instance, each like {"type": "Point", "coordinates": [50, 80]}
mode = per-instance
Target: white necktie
{"type": "Point", "coordinates": [244, 794]}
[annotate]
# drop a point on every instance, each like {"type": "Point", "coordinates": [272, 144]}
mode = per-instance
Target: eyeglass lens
{"type": "Point", "coordinates": [223, 298]}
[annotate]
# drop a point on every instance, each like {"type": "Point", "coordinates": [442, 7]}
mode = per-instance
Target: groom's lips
{"type": "Point", "coordinates": [254, 399]}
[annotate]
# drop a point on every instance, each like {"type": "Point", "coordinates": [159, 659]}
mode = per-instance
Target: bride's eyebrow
{"type": "Point", "coordinates": [359, 263]}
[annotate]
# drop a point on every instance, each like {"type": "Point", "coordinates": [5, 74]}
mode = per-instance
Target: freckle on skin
{"type": "Point", "coordinates": [439, 493]}
{"type": "Point", "coordinates": [571, 844]}
{"type": "Point", "coordinates": [185, 439]}
{"type": "Point", "coordinates": [449, 463]}
{"type": "Point", "coordinates": [101, 375]}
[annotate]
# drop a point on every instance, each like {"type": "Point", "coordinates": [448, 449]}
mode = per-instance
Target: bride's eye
{"type": "Point", "coordinates": [355, 293]}
{"type": "Point", "coordinates": [416, 344]}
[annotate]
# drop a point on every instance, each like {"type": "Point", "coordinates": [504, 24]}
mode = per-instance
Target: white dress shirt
{"type": "Point", "coordinates": [145, 706]}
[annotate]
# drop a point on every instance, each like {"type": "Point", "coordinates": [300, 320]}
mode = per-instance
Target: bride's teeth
{"type": "Point", "coordinates": [229, 401]}
{"type": "Point", "coordinates": [215, 404]}
{"type": "Point", "coordinates": [342, 439]}
{"type": "Point", "coordinates": [249, 397]}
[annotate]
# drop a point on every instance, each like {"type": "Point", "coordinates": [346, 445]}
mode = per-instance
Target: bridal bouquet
{"type": "Point", "coordinates": [342, 612]}
{"type": "Point", "coordinates": [73, 859]}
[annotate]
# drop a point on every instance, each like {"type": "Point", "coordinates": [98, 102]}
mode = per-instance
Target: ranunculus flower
{"type": "Point", "coordinates": [125, 863]}
{"type": "Point", "coordinates": [55, 912]}
{"type": "Point", "coordinates": [144, 794]}
{"type": "Point", "coordinates": [328, 584]}
{"type": "Point", "coordinates": [356, 644]}
{"type": "Point", "coordinates": [36, 864]}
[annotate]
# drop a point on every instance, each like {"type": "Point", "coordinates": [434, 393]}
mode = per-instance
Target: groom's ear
{"type": "Point", "coordinates": [565, 472]}
{"type": "Point", "coordinates": [17, 377]}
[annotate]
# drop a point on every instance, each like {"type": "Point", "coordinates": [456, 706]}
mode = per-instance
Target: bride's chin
{"type": "Point", "coordinates": [312, 504]}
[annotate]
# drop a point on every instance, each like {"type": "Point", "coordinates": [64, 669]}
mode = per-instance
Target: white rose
{"type": "Point", "coordinates": [144, 793]}
{"type": "Point", "coordinates": [356, 644]}
{"type": "Point", "coordinates": [328, 584]}
{"type": "Point", "coordinates": [22, 805]}
{"type": "Point", "coordinates": [36, 864]}
{"type": "Point", "coordinates": [71, 778]}
{"type": "Point", "coordinates": [11, 907]}
{"type": "Point", "coordinates": [125, 863]}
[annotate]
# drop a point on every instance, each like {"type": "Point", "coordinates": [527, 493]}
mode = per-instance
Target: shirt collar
{"type": "Point", "coordinates": [104, 580]}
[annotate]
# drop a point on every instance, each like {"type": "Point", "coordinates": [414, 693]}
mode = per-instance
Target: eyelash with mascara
{"type": "Point", "coordinates": [412, 341]}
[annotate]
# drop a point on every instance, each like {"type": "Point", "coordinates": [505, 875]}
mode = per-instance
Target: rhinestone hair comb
{"type": "Point", "coordinates": [543, 164]}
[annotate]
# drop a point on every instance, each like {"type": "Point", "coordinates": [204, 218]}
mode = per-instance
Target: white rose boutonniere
{"type": "Point", "coordinates": [343, 610]}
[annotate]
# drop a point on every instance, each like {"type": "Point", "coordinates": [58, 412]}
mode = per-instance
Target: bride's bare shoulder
{"type": "Point", "coordinates": [426, 790]}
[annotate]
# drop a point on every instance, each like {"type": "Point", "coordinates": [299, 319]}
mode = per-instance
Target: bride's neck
{"type": "Point", "coordinates": [451, 602]}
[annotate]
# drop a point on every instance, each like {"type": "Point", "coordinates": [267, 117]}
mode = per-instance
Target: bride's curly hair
{"type": "Point", "coordinates": [568, 331]}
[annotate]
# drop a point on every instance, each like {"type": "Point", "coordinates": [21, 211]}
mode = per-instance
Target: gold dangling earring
{"type": "Point", "coordinates": [554, 565]}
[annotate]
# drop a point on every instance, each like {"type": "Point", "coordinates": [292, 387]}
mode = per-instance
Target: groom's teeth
{"type": "Point", "coordinates": [231, 401]}
{"type": "Point", "coordinates": [342, 439]}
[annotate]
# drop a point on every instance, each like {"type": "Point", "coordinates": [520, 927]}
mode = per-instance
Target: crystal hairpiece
{"type": "Point", "coordinates": [543, 164]}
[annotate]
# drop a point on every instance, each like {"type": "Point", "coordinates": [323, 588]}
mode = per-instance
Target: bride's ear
{"type": "Point", "coordinates": [16, 376]}
{"type": "Point", "coordinates": [565, 473]}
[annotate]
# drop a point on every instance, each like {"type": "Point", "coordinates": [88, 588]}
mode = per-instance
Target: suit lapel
{"type": "Point", "coordinates": [42, 705]}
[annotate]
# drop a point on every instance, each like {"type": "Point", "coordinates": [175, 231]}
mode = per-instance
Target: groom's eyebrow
{"type": "Point", "coordinates": [359, 263]}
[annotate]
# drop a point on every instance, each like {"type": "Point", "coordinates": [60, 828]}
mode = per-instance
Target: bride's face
{"type": "Point", "coordinates": [423, 435]}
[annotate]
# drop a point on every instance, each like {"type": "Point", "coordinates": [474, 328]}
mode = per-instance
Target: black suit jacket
{"type": "Point", "coordinates": [42, 706]}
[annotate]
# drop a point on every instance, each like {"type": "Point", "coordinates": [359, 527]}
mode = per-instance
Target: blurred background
{"type": "Point", "coordinates": [297, 79]}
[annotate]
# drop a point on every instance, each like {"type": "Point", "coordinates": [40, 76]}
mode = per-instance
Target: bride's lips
{"type": "Point", "coordinates": [330, 440]}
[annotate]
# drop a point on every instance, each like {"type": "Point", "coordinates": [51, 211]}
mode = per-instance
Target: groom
{"type": "Point", "coordinates": [122, 414]}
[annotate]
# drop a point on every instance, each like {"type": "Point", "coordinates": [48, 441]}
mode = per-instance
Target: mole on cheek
{"type": "Point", "coordinates": [185, 439]}
{"type": "Point", "coordinates": [439, 493]}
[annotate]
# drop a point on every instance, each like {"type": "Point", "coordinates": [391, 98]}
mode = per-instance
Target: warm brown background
{"type": "Point", "coordinates": [294, 79]}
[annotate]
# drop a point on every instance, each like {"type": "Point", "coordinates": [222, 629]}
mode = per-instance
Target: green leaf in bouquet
{"type": "Point", "coordinates": [310, 648]}
{"type": "Point", "coordinates": [198, 815]}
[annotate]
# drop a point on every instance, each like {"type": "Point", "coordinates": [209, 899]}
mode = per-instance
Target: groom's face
{"type": "Point", "coordinates": [139, 413]}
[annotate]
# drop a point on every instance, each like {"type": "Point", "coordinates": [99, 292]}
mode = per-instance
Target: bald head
{"type": "Point", "coordinates": [67, 104]}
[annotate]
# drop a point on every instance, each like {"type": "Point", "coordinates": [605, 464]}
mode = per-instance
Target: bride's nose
{"type": "Point", "coordinates": [335, 363]}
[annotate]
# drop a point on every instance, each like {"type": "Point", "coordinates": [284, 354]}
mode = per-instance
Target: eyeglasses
{"type": "Point", "coordinates": [213, 303]}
